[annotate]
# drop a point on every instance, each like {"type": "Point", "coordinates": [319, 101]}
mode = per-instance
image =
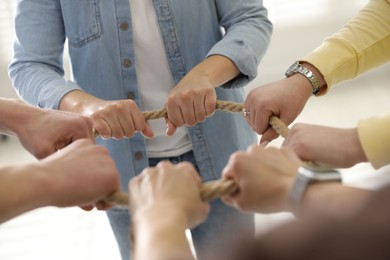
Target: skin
{"type": "Point", "coordinates": [190, 102]}
{"type": "Point", "coordinates": [285, 99]}
{"type": "Point", "coordinates": [174, 190]}
{"type": "Point", "coordinates": [40, 131]}
{"type": "Point", "coordinates": [265, 176]}
{"type": "Point", "coordinates": [318, 143]}
{"type": "Point", "coordinates": [194, 98]}
{"type": "Point", "coordinates": [72, 171]}
{"type": "Point", "coordinates": [111, 119]}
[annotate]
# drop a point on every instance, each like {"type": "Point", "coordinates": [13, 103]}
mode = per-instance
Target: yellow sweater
{"type": "Point", "coordinates": [362, 44]}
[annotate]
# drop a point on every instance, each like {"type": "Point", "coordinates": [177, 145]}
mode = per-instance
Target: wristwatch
{"type": "Point", "coordinates": [307, 175]}
{"type": "Point", "coordinates": [299, 68]}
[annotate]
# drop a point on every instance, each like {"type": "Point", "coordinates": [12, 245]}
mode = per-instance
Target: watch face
{"type": "Point", "coordinates": [292, 69]}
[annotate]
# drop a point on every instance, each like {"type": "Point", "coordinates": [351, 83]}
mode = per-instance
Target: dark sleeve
{"type": "Point", "coordinates": [365, 236]}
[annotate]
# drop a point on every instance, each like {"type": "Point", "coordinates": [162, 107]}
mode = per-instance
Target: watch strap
{"type": "Point", "coordinates": [307, 73]}
{"type": "Point", "coordinates": [305, 176]}
{"type": "Point", "coordinates": [297, 191]}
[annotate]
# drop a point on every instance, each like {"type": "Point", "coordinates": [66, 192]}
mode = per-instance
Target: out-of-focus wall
{"type": "Point", "coordinates": [299, 27]}
{"type": "Point", "coordinates": [297, 30]}
{"type": "Point", "coordinates": [6, 35]}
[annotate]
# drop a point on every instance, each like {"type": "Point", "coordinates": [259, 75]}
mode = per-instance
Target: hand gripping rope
{"type": "Point", "coordinates": [211, 189]}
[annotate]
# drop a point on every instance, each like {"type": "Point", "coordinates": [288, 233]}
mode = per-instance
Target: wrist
{"type": "Point", "coordinates": [306, 178]}
{"type": "Point", "coordinates": [217, 70]}
{"type": "Point", "coordinates": [316, 72]}
{"type": "Point", "coordinates": [356, 146]}
{"type": "Point", "coordinates": [308, 72]}
{"type": "Point", "coordinates": [302, 87]}
{"type": "Point", "coordinates": [34, 183]}
{"type": "Point", "coordinates": [152, 214]}
{"type": "Point", "coordinates": [15, 116]}
{"type": "Point", "coordinates": [163, 229]}
{"type": "Point", "coordinates": [75, 101]}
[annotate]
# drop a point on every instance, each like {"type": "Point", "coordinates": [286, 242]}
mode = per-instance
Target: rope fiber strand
{"type": "Point", "coordinates": [212, 189]}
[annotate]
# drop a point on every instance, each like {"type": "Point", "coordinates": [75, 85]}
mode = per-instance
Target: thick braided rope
{"type": "Point", "coordinates": [212, 189]}
{"type": "Point", "coordinates": [221, 105]}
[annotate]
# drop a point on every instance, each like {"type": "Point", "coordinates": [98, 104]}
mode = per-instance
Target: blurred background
{"type": "Point", "coordinates": [299, 26]}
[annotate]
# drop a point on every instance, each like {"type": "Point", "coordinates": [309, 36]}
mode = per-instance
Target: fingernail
{"type": "Point", "coordinates": [264, 143]}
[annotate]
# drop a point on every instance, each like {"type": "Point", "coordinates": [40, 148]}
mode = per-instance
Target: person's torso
{"type": "Point", "coordinates": [154, 79]}
{"type": "Point", "coordinates": [101, 46]}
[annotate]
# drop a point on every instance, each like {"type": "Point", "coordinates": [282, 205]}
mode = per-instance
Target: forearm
{"type": "Point", "coordinates": [215, 69]}
{"type": "Point", "coordinates": [22, 189]}
{"type": "Point", "coordinates": [160, 236]}
{"type": "Point", "coordinates": [76, 101]}
{"type": "Point", "coordinates": [248, 33]}
{"type": "Point", "coordinates": [14, 114]}
{"type": "Point", "coordinates": [334, 200]}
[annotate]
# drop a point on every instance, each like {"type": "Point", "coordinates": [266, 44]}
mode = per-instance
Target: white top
{"type": "Point", "coordinates": [154, 79]}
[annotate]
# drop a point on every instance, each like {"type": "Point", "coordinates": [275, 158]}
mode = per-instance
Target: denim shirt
{"type": "Point", "coordinates": [99, 40]}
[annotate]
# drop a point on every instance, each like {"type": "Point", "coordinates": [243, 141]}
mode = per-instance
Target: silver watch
{"type": "Point", "coordinates": [298, 68]}
{"type": "Point", "coordinates": [307, 175]}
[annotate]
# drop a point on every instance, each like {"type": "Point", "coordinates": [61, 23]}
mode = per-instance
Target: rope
{"type": "Point", "coordinates": [212, 189]}
{"type": "Point", "coordinates": [162, 113]}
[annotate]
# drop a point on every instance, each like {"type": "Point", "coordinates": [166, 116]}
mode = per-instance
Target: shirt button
{"type": "Point", "coordinates": [126, 63]}
{"type": "Point", "coordinates": [130, 95]}
{"type": "Point", "coordinates": [124, 26]}
{"type": "Point", "coordinates": [138, 156]}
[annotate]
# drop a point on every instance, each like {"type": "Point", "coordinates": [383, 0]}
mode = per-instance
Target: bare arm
{"type": "Point", "coordinates": [266, 175]}
{"type": "Point", "coordinates": [165, 201]}
{"type": "Point", "coordinates": [334, 199]}
{"type": "Point", "coordinates": [42, 131]}
{"type": "Point", "coordinates": [78, 175]}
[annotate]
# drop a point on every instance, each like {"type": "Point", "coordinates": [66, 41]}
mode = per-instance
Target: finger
{"type": "Point", "coordinates": [175, 114]}
{"type": "Point", "coordinates": [269, 135]}
{"type": "Point", "coordinates": [261, 121]}
{"type": "Point", "coordinates": [228, 200]}
{"type": "Point", "coordinates": [210, 102]}
{"type": "Point", "coordinates": [139, 121]}
{"type": "Point", "coordinates": [101, 205]}
{"type": "Point", "coordinates": [164, 164]}
{"type": "Point", "coordinates": [199, 110]}
{"type": "Point", "coordinates": [188, 113]}
{"type": "Point", "coordinates": [190, 169]}
{"type": "Point", "coordinates": [102, 127]}
{"type": "Point", "coordinates": [87, 207]}
{"type": "Point", "coordinates": [246, 108]}
{"type": "Point", "coordinates": [113, 120]}
{"type": "Point", "coordinates": [125, 120]}
{"type": "Point", "coordinates": [263, 143]}
{"type": "Point", "coordinates": [171, 128]}
{"type": "Point", "coordinates": [147, 132]}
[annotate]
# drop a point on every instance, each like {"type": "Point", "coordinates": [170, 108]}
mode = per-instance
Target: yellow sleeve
{"type": "Point", "coordinates": [374, 135]}
{"type": "Point", "coordinates": [362, 44]}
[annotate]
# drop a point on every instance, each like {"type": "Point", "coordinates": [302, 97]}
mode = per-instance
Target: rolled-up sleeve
{"type": "Point", "coordinates": [374, 136]}
{"type": "Point", "coordinates": [36, 70]}
{"type": "Point", "coordinates": [361, 45]}
{"type": "Point", "coordinates": [247, 37]}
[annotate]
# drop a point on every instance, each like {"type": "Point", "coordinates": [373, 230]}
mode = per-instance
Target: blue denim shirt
{"type": "Point", "coordinates": [99, 38]}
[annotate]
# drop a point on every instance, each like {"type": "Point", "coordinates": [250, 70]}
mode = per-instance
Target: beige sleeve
{"type": "Point", "coordinates": [362, 44]}
{"type": "Point", "coordinates": [374, 135]}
